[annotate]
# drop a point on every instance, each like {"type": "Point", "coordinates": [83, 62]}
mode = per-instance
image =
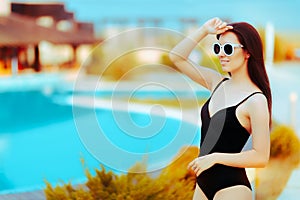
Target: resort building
{"type": "Point", "coordinates": [40, 36]}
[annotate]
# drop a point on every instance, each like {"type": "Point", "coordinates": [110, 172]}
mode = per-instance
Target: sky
{"type": "Point", "coordinates": [284, 14]}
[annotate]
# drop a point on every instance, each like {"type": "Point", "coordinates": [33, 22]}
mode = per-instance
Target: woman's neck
{"type": "Point", "coordinates": [241, 76]}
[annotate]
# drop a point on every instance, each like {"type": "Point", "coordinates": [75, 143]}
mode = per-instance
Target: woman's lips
{"type": "Point", "coordinates": [224, 62]}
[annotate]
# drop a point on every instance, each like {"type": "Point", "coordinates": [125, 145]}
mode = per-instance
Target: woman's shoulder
{"type": "Point", "coordinates": [258, 103]}
{"type": "Point", "coordinates": [217, 81]}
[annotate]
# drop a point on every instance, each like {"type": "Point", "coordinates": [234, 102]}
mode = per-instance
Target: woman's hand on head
{"type": "Point", "coordinates": [216, 26]}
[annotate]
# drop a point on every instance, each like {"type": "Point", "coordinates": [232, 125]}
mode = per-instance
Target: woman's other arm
{"type": "Point", "coordinates": [258, 156]}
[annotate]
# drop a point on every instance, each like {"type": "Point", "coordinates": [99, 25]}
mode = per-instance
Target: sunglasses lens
{"type": "Point", "coordinates": [217, 48]}
{"type": "Point", "coordinates": [228, 49]}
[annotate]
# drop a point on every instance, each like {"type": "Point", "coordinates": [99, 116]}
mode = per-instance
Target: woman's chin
{"type": "Point", "coordinates": [225, 68]}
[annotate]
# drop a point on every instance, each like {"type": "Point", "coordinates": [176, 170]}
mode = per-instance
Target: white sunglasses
{"type": "Point", "coordinates": [228, 48]}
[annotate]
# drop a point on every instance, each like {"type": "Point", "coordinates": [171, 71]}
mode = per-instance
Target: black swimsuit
{"type": "Point", "coordinates": [222, 132]}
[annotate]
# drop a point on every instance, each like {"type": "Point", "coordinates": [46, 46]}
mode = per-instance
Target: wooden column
{"type": "Point", "coordinates": [37, 64]}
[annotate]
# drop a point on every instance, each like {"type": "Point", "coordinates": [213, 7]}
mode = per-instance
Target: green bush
{"type": "Point", "coordinates": [170, 184]}
{"type": "Point", "coordinates": [285, 143]}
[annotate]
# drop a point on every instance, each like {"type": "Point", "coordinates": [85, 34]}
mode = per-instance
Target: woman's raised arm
{"type": "Point", "coordinates": [180, 53]}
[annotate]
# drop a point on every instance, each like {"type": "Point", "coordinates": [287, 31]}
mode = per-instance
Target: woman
{"type": "Point", "coordinates": [239, 106]}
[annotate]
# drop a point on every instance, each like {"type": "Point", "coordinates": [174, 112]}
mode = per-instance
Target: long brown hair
{"type": "Point", "coordinates": [250, 39]}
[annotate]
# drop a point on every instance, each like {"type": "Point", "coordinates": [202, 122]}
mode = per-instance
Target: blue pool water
{"type": "Point", "coordinates": [40, 140]}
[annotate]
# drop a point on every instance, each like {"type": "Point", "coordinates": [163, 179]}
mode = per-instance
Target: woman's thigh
{"type": "Point", "coordinates": [198, 194]}
{"type": "Point", "coordinates": [234, 192]}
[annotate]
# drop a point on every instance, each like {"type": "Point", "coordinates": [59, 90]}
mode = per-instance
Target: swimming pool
{"type": "Point", "coordinates": [41, 139]}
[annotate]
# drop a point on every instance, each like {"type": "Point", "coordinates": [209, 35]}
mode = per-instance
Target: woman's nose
{"type": "Point", "coordinates": [221, 54]}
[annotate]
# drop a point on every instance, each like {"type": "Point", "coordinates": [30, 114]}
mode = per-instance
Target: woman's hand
{"type": "Point", "coordinates": [216, 26]}
{"type": "Point", "coordinates": [200, 164]}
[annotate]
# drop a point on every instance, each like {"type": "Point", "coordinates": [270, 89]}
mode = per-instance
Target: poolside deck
{"type": "Point", "coordinates": [33, 195]}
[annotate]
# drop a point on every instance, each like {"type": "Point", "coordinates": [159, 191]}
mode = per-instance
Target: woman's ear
{"type": "Point", "coordinates": [247, 55]}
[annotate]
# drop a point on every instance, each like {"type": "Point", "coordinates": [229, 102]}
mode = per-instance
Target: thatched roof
{"type": "Point", "coordinates": [19, 30]}
{"type": "Point", "coordinates": [55, 9]}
